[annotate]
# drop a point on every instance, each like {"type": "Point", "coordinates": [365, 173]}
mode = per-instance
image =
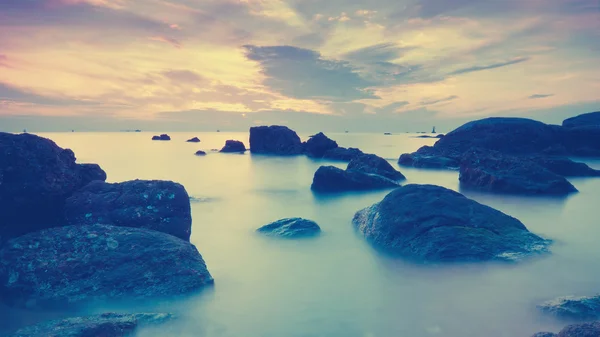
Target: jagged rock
{"type": "Point", "coordinates": [433, 224]}
{"type": "Point", "coordinates": [333, 179]}
{"type": "Point", "coordinates": [164, 136]}
{"type": "Point", "coordinates": [103, 325]}
{"type": "Point", "coordinates": [586, 119]}
{"type": "Point", "coordinates": [291, 228]}
{"type": "Point", "coordinates": [193, 140]}
{"type": "Point", "coordinates": [317, 145]}
{"type": "Point", "coordinates": [76, 265]}
{"type": "Point", "coordinates": [233, 146]}
{"type": "Point", "coordinates": [159, 205]}
{"type": "Point", "coordinates": [372, 164]}
{"type": "Point", "coordinates": [573, 308]}
{"type": "Point", "coordinates": [274, 140]}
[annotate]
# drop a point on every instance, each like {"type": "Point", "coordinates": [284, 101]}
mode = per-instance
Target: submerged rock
{"type": "Point", "coordinates": [291, 228]}
{"type": "Point", "coordinates": [342, 153]}
{"type": "Point", "coordinates": [159, 205]}
{"type": "Point", "coordinates": [494, 172]}
{"type": "Point", "coordinates": [591, 329]}
{"type": "Point", "coordinates": [586, 119]}
{"type": "Point", "coordinates": [317, 145]}
{"type": "Point", "coordinates": [36, 177]}
{"type": "Point", "coordinates": [573, 308]}
{"type": "Point", "coordinates": [233, 146]}
{"type": "Point", "coordinates": [193, 140]}
{"type": "Point", "coordinates": [164, 136]}
{"type": "Point", "coordinates": [372, 164]}
{"type": "Point", "coordinates": [200, 153]}
{"type": "Point", "coordinates": [72, 265]}
{"type": "Point", "coordinates": [103, 325]}
{"type": "Point", "coordinates": [275, 140]}
{"type": "Point", "coordinates": [434, 224]}
{"type": "Point", "coordinates": [333, 179]}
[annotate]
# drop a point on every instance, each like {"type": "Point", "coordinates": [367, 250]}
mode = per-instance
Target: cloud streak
{"type": "Point", "coordinates": [489, 66]}
{"type": "Point", "coordinates": [538, 96]}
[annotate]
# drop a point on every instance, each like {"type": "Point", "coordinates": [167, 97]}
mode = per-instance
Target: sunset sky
{"type": "Point", "coordinates": [205, 64]}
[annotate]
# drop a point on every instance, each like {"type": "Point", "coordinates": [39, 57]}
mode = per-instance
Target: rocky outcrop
{"type": "Point", "coordinates": [36, 177]}
{"type": "Point", "coordinates": [342, 154]}
{"type": "Point", "coordinates": [72, 265]}
{"type": "Point", "coordinates": [193, 140]}
{"type": "Point", "coordinates": [333, 179]}
{"type": "Point", "coordinates": [317, 145]}
{"type": "Point", "coordinates": [565, 166]}
{"type": "Point", "coordinates": [587, 119]}
{"type": "Point", "coordinates": [433, 224]}
{"type": "Point", "coordinates": [159, 205]}
{"type": "Point", "coordinates": [274, 140]}
{"type": "Point", "coordinates": [372, 164]}
{"type": "Point", "coordinates": [494, 172]}
{"type": "Point", "coordinates": [291, 228]}
{"type": "Point", "coordinates": [164, 136]}
{"type": "Point", "coordinates": [103, 325]}
{"type": "Point", "coordinates": [200, 153]}
{"type": "Point", "coordinates": [430, 158]}
{"type": "Point", "coordinates": [573, 308]}
{"type": "Point", "coordinates": [591, 329]}
{"type": "Point", "coordinates": [233, 146]}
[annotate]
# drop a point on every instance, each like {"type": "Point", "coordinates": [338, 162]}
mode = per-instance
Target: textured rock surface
{"type": "Point", "coordinates": [573, 308]}
{"type": "Point", "coordinates": [275, 140]}
{"type": "Point", "coordinates": [591, 329]}
{"type": "Point", "coordinates": [164, 136]}
{"type": "Point", "coordinates": [432, 223]}
{"type": "Point", "coordinates": [428, 157]}
{"type": "Point", "coordinates": [36, 177]}
{"type": "Point", "coordinates": [160, 205]}
{"type": "Point", "coordinates": [103, 325]}
{"type": "Point", "coordinates": [587, 119]}
{"type": "Point", "coordinates": [233, 146]}
{"type": "Point", "coordinates": [333, 179]}
{"type": "Point", "coordinates": [372, 164]}
{"type": "Point", "coordinates": [74, 265]}
{"type": "Point", "coordinates": [193, 140]}
{"type": "Point", "coordinates": [291, 228]}
{"type": "Point", "coordinates": [565, 167]}
{"type": "Point", "coordinates": [342, 153]}
{"type": "Point", "coordinates": [317, 145]}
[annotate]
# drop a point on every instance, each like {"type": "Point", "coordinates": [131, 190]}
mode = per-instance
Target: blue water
{"type": "Point", "coordinates": [336, 284]}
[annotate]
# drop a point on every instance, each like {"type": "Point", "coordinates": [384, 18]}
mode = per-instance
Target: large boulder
{"type": "Point", "coordinates": [591, 329]}
{"type": "Point", "coordinates": [159, 205]}
{"type": "Point", "coordinates": [495, 172]}
{"type": "Point", "coordinates": [333, 179]}
{"type": "Point", "coordinates": [164, 136]}
{"type": "Point", "coordinates": [372, 164]}
{"type": "Point", "coordinates": [342, 154]}
{"type": "Point", "coordinates": [573, 308]}
{"type": "Point", "coordinates": [233, 146]}
{"type": "Point", "coordinates": [433, 224]}
{"type": "Point", "coordinates": [317, 145]}
{"type": "Point", "coordinates": [275, 140]}
{"type": "Point", "coordinates": [587, 119]}
{"type": "Point", "coordinates": [103, 325]}
{"type": "Point", "coordinates": [291, 228]}
{"type": "Point", "coordinates": [72, 265]}
{"type": "Point", "coordinates": [36, 177]}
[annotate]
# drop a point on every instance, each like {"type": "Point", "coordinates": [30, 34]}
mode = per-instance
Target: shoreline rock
{"type": "Point", "coordinates": [291, 228]}
{"type": "Point", "coordinates": [274, 140]}
{"type": "Point", "coordinates": [317, 145]}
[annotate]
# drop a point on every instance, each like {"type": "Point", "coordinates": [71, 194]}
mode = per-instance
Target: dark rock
{"type": "Point", "coordinates": [103, 325]}
{"type": "Point", "coordinates": [291, 228]}
{"type": "Point", "coordinates": [428, 157]}
{"type": "Point", "coordinates": [427, 136]}
{"type": "Point", "coordinates": [233, 146]}
{"type": "Point", "coordinates": [159, 205]}
{"type": "Point", "coordinates": [317, 145]}
{"type": "Point", "coordinates": [544, 334]}
{"type": "Point", "coordinates": [440, 136]}
{"type": "Point", "coordinates": [494, 172]}
{"type": "Point", "coordinates": [200, 153]}
{"type": "Point", "coordinates": [342, 153]}
{"type": "Point", "coordinates": [164, 136]}
{"type": "Point", "coordinates": [587, 119]}
{"type": "Point", "coordinates": [275, 140]}
{"type": "Point", "coordinates": [72, 265]}
{"type": "Point", "coordinates": [581, 141]}
{"type": "Point", "coordinates": [387, 133]}
{"type": "Point", "coordinates": [36, 177]}
{"type": "Point", "coordinates": [372, 164]}
{"type": "Point", "coordinates": [434, 224]}
{"type": "Point", "coordinates": [565, 167]}
{"type": "Point", "coordinates": [333, 179]}
{"type": "Point", "coordinates": [193, 140]}
{"type": "Point", "coordinates": [573, 308]}
{"type": "Point", "coordinates": [591, 329]}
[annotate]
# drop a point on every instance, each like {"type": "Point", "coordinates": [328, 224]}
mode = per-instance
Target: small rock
{"type": "Point", "coordinates": [291, 228]}
{"type": "Point", "coordinates": [193, 140]}
{"type": "Point", "coordinates": [164, 136]}
{"type": "Point", "coordinates": [232, 146]}
{"type": "Point", "coordinates": [333, 179]}
{"type": "Point", "coordinates": [200, 153]}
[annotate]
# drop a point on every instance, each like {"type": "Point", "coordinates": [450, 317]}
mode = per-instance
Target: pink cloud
{"type": "Point", "coordinates": [4, 61]}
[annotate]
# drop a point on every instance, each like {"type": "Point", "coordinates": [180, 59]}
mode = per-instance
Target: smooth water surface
{"type": "Point", "coordinates": [336, 284]}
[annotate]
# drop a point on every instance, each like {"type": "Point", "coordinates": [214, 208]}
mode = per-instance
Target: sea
{"type": "Point", "coordinates": [336, 284]}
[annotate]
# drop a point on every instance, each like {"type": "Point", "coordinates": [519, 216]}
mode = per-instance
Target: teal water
{"type": "Point", "coordinates": [336, 284]}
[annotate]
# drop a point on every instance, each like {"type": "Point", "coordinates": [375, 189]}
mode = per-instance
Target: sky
{"type": "Point", "coordinates": [364, 65]}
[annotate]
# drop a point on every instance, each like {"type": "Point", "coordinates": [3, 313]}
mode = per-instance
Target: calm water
{"type": "Point", "coordinates": [336, 284]}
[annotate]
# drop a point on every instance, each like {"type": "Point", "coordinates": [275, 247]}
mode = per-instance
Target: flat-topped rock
{"type": "Point", "coordinates": [430, 223]}
{"type": "Point", "coordinates": [317, 145]}
{"type": "Point", "coordinates": [573, 308]}
{"type": "Point", "coordinates": [233, 146]}
{"type": "Point", "coordinates": [372, 164]}
{"type": "Point", "coordinates": [274, 140]}
{"type": "Point", "coordinates": [76, 265]}
{"type": "Point", "coordinates": [103, 325]}
{"type": "Point", "coordinates": [333, 179]}
{"type": "Point", "coordinates": [159, 205]}
{"type": "Point", "coordinates": [193, 140]}
{"type": "Point", "coordinates": [586, 119]}
{"type": "Point", "coordinates": [164, 136]}
{"type": "Point", "coordinates": [291, 228]}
